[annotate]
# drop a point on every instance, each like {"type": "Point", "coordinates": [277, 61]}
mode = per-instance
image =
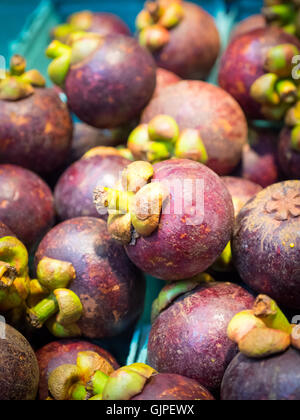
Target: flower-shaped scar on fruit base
{"type": "Point", "coordinates": [134, 209]}
{"type": "Point", "coordinates": [19, 84]}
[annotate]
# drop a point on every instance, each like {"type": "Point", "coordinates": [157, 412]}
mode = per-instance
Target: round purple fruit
{"type": "Point", "coordinates": [110, 288]}
{"type": "Point", "coordinates": [189, 332]}
{"type": "Point", "coordinates": [271, 379]}
{"type": "Point", "coordinates": [221, 123]}
{"type": "Point", "coordinates": [174, 218]}
{"type": "Point", "coordinates": [108, 81]}
{"type": "Point", "coordinates": [26, 204]}
{"type": "Point", "coordinates": [172, 30]}
{"type": "Point", "coordinates": [74, 190]}
{"type": "Point", "coordinates": [35, 125]}
{"type": "Point", "coordinates": [266, 243]}
{"type": "Point", "coordinates": [289, 154]}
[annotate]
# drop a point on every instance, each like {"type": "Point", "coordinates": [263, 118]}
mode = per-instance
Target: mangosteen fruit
{"type": "Point", "coordinates": [274, 378]}
{"type": "Point", "coordinates": [182, 37]}
{"type": "Point", "coordinates": [289, 152]}
{"type": "Point", "coordinates": [107, 80]}
{"type": "Point", "coordinates": [266, 243]}
{"type": "Point", "coordinates": [96, 22]}
{"type": "Point", "coordinates": [256, 69]}
{"type": "Point", "coordinates": [189, 330]}
{"type": "Point", "coordinates": [110, 288]}
{"type": "Point", "coordinates": [63, 352]}
{"type": "Point", "coordinates": [86, 137]}
{"type": "Point", "coordinates": [19, 370]}
{"type": "Point", "coordinates": [210, 110]}
{"type": "Point", "coordinates": [174, 218]}
{"type": "Point", "coordinates": [248, 25]}
{"type": "Point", "coordinates": [165, 78]}
{"type": "Point", "coordinates": [259, 159]}
{"type": "Point", "coordinates": [74, 190]}
{"type": "Point", "coordinates": [35, 125]}
{"type": "Point", "coordinates": [26, 204]}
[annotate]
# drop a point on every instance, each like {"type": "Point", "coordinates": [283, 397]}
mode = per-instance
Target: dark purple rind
{"type": "Point", "coordinates": [110, 287]}
{"type": "Point", "coordinates": [26, 204]}
{"type": "Point", "coordinates": [63, 352]}
{"type": "Point", "coordinates": [112, 86]}
{"type": "Point", "coordinates": [289, 159]}
{"type": "Point", "coordinates": [5, 231]}
{"type": "Point", "coordinates": [259, 160]}
{"type": "Point", "coordinates": [107, 23]}
{"type": "Point", "coordinates": [170, 387]}
{"type": "Point", "coordinates": [241, 190]}
{"type": "Point", "coordinates": [243, 63]}
{"type": "Point", "coordinates": [274, 379]}
{"type": "Point", "coordinates": [209, 109]}
{"type": "Point", "coordinates": [74, 190]}
{"type": "Point", "coordinates": [36, 132]}
{"type": "Point", "coordinates": [193, 47]}
{"type": "Point", "coordinates": [266, 251]}
{"type": "Point", "coordinates": [19, 371]}
{"type": "Point", "coordinates": [247, 25]}
{"type": "Point", "coordinates": [86, 137]}
{"type": "Point", "coordinates": [189, 338]}
{"type": "Point", "coordinates": [185, 245]}
{"type": "Point", "coordinates": [164, 78]}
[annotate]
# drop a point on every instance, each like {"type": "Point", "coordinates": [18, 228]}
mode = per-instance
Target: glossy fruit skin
{"type": "Point", "coordinates": [266, 250]}
{"type": "Point", "coordinates": [63, 352]}
{"type": "Point", "coordinates": [164, 78]}
{"type": "Point", "coordinates": [5, 231]}
{"type": "Point", "coordinates": [106, 93]}
{"type": "Point", "coordinates": [259, 160]}
{"type": "Point", "coordinates": [193, 47]}
{"type": "Point", "coordinates": [272, 379]}
{"type": "Point", "coordinates": [185, 245]}
{"type": "Point", "coordinates": [243, 63]}
{"type": "Point", "coordinates": [248, 25]}
{"type": "Point", "coordinates": [74, 190]}
{"type": "Point", "coordinates": [289, 159]}
{"type": "Point", "coordinates": [190, 337]}
{"type": "Point", "coordinates": [19, 369]}
{"type": "Point", "coordinates": [170, 387]}
{"type": "Point", "coordinates": [241, 191]}
{"type": "Point", "coordinates": [209, 109]}
{"type": "Point", "coordinates": [110, 287]}
{"type": "Point", "coordinates": [86, 137]}
{"type": "Point", "coordinates": [26, 204]}
{"type": "Point", "coordinates": [108, 23]}
{"type": "Point", "coordinates": [35, 132]}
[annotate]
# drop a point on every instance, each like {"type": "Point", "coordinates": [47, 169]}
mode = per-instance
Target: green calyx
{"type": "Point", "coordinates": [81, 21]}
{"type": "Point", "coordinates": [19, 84]}
{"type": "Point", "coordinates": [174, 290]}
{"type": "Point", "coordinates": [283, 13]}
{"type": "Point", "coordinates": [263, 89]}
{"type": "Point", "coordinates": [279, 60]}
{"type": "Point", "coordinates": [135, 208]}
{"type": "Point", "coordinates": [155, 22]}
{"type": "Point", "coordinates": [161, 140]}
{"type": "Point", "coordinates": [224, 263]}
{"type": "Point", "coordinates": [80, 46]}
{"type": "Point", "coordinates": [51, 303]}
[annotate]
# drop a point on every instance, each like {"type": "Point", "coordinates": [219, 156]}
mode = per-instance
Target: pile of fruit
{"type": "Point", "coordinates": [167, 176]}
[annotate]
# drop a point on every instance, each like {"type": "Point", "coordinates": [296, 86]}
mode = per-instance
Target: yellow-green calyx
{"type": "Point", "coordinates": [51, 303]}
{"type": "Point", "coordinates": [19, 84]}
{"type": "Point", "coordinates": [173, 290]}
{"type": "Point", "coordinates": [224, 262]}
{"type": "Point", "coordinates": [80, 46]}
{"type": "Point", "coordinates": [283, 13]}
{"type": "Point", "coordinates": [161, 139]}
{"type": "Point", "coordinates": [276, 90]}
{"type": "Point", "coordinates": [295, 138]}
{"type": "Point", "coordinates": [14, 280]}
{"type": "Point", "coordinates": [135, 208]}
{"type": "Point", "coordinates": [156, 20]}
{"type": "Point", "coordinates": [262, 331]}
{"type": "Point", "coordinates": [81, 21]}
{"type": "Point", "coordinates": [82, 381]}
